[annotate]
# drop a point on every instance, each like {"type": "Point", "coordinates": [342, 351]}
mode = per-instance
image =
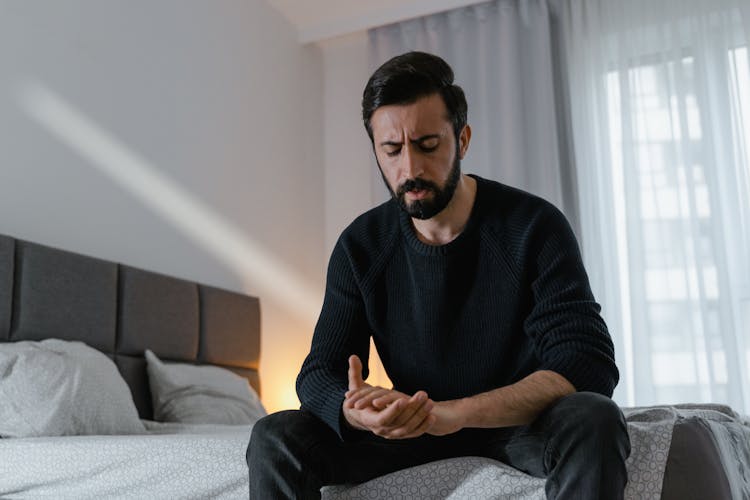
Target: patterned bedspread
{"type": "Point", "coordinates": [198, 462]}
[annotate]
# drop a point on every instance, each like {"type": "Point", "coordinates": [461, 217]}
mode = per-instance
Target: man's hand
{"type": "Point", "coordinates": [385, 412]}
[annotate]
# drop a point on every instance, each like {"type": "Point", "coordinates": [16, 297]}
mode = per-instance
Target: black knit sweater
{"type": "Point", "coordinates": [507, 297]}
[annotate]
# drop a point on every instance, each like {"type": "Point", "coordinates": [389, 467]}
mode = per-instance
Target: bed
{"type": "Point", "coordinates": [122, 312]}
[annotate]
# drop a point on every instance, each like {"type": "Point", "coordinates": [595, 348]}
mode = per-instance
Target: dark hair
{"type": "Point", "coordinates": [406, 78]}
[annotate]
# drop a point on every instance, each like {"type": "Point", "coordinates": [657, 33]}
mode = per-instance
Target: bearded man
{"type": "Point", "coordinates": [480, 309]}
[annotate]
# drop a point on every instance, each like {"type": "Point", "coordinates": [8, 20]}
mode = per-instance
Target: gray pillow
{"type": "Point", "coordinates": [200, 394]}
{"type": "Point", "coordinates": [59, 388]}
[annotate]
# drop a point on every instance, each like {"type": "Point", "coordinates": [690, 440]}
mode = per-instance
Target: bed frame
{"type": "Point", "coordinates": [121, 310]}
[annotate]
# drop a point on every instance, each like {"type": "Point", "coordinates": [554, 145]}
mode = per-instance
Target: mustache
{"type": "Point", "coordinates": [415, 185]}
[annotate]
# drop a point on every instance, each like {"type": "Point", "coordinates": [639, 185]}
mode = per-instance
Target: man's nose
{"type": "Point", "coordinates": [412, 163]}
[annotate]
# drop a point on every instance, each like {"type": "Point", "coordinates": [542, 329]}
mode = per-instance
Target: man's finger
{"type": "Point", "coordinates": [355, 372]}
{"type": "Point", "coordinates": [383, 401]}
{"type": "Point", "coordinates": [414, 426]}
{"type": "Point", "coordinates": [384, 417]}
{"type": "Point", "coordinates": [422, 427]}
{"type": "Point", "coordinates": [417, 416]}
{"type": "Point", "coordinates": [413, 404]}
{"type": "Point", "coordinates": [380, 393]}
{"type": "Point", "coordinates": [411, 418]}
{"type": "Point", "coordinates": [363, 393]}
{"type": "Point", "coordinates": [397, 408]}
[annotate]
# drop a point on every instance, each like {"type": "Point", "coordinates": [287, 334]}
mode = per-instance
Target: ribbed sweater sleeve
{"type": "Point", "coordinates": [570, 336]}
{"type": "Point", "coordinates": [341, 330]}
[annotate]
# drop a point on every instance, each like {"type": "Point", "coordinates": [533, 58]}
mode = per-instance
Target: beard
{"type": "Point", "coordinates": [429, 207]}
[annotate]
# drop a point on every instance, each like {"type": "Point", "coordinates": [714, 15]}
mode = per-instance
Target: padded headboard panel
{"type": "Point", "coordinates": [122, 310]}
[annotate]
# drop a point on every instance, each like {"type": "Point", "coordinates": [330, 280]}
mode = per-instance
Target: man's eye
{"type": "Point", "coordinates": [428, 146]}
{"type": "Point", "coordinates": [393, 152]}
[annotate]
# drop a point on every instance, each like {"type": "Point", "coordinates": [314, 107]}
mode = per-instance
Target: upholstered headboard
{"type": "Point", "coordinates": [122, 310]}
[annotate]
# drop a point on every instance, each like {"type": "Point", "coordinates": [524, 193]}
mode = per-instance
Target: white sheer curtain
{"type": "Point", "coordinates": [502, 57]}
{"type": "Point", "coordinates": [660, 110]}
{"type": "Point", "coordinates": [634, 118]}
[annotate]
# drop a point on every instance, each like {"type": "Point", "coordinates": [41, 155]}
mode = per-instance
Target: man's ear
{"type": "Point", "coordinates": [463, 141]}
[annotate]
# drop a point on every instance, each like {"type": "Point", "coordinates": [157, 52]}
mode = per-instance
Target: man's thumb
{"type": "Point", "coordinates": [355, 372]}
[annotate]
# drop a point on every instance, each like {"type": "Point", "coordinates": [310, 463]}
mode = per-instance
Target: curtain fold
{"type": "Point", "coordinates": [633, 118]}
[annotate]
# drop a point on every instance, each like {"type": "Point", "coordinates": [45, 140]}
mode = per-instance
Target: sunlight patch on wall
{"type": "Point", "coordinates": [194, 218]}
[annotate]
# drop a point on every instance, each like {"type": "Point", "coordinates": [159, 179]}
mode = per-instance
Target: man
{"type": "Point", "coordinates": [480, 309]}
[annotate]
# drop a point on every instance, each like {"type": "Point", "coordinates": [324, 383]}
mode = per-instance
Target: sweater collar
{"type": "Point", "coordinates": [410, 234]}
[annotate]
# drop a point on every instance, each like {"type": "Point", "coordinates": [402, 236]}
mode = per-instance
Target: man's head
{"type": "Point", "coordinates": [416, 119]}
{"type": "Point", "coordinates": [405, 78]}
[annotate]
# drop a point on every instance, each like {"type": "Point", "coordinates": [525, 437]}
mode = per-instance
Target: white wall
{"type": "Point", "coordinates": [180, 136]}
{"type": "Point", "coordinates": [347, 152]}
{"type": "Point", "coordinates": [352, 182]}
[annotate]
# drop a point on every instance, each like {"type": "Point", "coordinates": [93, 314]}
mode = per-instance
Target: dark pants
{"type": "Point", "coordinates": [579, 444]}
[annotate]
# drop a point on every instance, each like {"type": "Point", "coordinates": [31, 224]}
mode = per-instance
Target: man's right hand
{"type": "Point", "coordinates": [385, 412]}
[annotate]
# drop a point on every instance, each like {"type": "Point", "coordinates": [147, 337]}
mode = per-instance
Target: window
{"type": "Point", "coordinates": [676, 195]}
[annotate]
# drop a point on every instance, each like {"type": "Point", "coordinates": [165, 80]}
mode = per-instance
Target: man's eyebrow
{"type": "Point", "coordinates": [413, 141]}
{"type": "Point", "coordinates": [424, 138]}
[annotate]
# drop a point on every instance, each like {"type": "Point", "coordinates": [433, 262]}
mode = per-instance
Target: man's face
{"type": "Point", "coordinates": [417, 154]}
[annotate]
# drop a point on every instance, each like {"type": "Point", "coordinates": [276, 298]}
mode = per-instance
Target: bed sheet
{"type": "Point", "coordinates": [171, 461]}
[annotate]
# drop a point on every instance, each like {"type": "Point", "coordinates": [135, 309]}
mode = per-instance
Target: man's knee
{"type": "Point", "coordinates": [270, 431]}
{"type": "Point", "coordinates": [588, 443]}
{"type": "Point", "coordinates": [593, 412]}
{"type": "Point", "coordinates": [587, 419]}
{"type": "Point", "coordinates": [279, 456]}
{"type": "Point", "coordinates": [286, 432]}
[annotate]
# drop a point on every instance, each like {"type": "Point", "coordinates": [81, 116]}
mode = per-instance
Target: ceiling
{"type": "Point", "coordinates": [318, 20]}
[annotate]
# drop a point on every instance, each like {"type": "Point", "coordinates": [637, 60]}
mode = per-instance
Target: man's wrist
{"type": "Point", "coordinates": [461, 410]}
{"type": "Point", "coordinates": [466, 410]}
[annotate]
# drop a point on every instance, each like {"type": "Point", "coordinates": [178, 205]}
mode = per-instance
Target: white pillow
{"type": "Point", "coordinates": [58, 388]}
{"type": "Point", "coordinates": [202, 394]}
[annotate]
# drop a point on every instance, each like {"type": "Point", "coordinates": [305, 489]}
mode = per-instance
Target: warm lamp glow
{"type": "Point", "coordinates": [377, 372]}
{"type": "Point", "coordinates": [288, 398]}
{"type": "Point", "coordinates": [278, 390]}
{"type": "Point", "coordinates": [279, 398]}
